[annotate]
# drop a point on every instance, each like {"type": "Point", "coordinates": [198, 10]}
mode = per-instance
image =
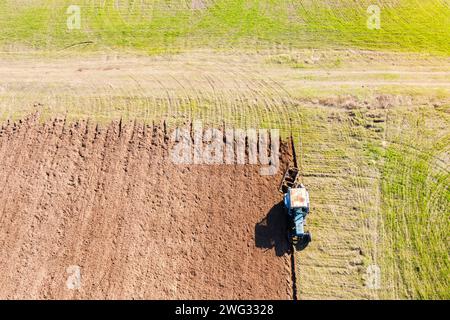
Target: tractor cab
{"type": "Point", "coordinates": [297, 199]}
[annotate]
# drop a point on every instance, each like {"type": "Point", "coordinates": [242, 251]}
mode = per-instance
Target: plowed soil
{"type": "Point", "coordinates": [110, 201]}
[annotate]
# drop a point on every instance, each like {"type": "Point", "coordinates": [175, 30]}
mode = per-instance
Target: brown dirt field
{"type": "Point", "coordinates": [110, 201]}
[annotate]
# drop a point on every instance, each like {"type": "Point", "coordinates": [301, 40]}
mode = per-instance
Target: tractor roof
{"type": "Point", "coordinates": [299, 197]}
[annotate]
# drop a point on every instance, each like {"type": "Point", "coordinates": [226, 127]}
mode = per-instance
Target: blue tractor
{"type": "Point", "coordinates": [296, 204]}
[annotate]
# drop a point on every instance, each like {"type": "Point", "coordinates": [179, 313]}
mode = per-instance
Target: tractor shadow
{"type": "Point", "coordinates": [270, 232]}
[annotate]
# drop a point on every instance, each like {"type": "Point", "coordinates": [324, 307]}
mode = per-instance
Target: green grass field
{"type": "Point", "coordinates": [415, 200]}
{"type": "Point", "coordinates": [160, 26]}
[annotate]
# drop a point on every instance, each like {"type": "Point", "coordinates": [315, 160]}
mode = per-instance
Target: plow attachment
{"type": "Point", "coordinates": [289, 180]}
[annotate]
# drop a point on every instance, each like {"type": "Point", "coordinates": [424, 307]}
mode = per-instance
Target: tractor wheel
{"type": "Point", "coordinates": [304, 241]}
{"type": "Point", "coordinates": [308, 236]}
